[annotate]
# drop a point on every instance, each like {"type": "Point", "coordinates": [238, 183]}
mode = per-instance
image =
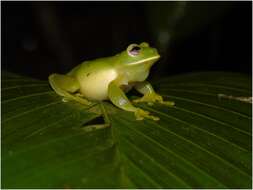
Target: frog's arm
{"type": "Point", "coordinates": [150, 95]}
{"type": "Point", "coordinates": [119, 99]}
{"type": "Point", "coordinates": [64, 85]}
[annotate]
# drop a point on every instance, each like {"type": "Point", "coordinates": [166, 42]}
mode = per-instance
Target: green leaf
{"type": "Point", "coordinates": [204, 141]}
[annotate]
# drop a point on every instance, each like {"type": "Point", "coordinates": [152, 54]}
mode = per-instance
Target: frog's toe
{"type": "Point", "coordinates": [141, 114]}
{"type": "Point", "coordinates": [138, 100]}
{"type": "Point", "coordinates": [150, 103]}
{"type": "Point", "coordinates": [64, 99]}
{"type": "Point", "coordinates": [154, 118]}
{"type": "Point", "coordinates": [167, 103]}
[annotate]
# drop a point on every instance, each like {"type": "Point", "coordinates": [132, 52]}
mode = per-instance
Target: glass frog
{"type": "Point", "coordinates": [109, 78]}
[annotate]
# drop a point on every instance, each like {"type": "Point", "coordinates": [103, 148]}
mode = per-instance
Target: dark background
{"type": "Point", "coordinates": [39, 38]}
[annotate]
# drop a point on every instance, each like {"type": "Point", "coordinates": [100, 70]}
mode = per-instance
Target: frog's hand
{"type": "Point", "coordinates": [150, 96]}
{"type": "Point", "coordinates": [119, 99]}
{"type": "Point", "coordinates": [65, 85]}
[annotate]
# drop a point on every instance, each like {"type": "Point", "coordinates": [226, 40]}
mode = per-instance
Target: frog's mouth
{"type": "Point", "coordinates": [149, 60]}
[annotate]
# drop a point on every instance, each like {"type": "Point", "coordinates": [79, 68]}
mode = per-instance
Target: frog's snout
{"type": "Point", "coordinates": [154, 51]}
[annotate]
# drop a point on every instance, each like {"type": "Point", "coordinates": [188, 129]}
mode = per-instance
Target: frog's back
{"type": "Point", "coordinates": [94, 77]}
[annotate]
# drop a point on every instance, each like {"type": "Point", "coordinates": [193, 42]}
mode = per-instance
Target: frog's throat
{"type": "Point", "coordinates": [146, 60]}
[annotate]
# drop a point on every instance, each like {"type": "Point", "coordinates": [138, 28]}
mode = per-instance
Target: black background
{"type": "Point", "coordinates": [39, 38]}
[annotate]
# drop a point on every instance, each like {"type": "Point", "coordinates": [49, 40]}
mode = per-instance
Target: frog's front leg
{"type": "Point", "coordinates": [149, 95]}
{"type": "Point", "coordinates": [119, 99]}
{"type": "Point", "coordinates": [65, 86]}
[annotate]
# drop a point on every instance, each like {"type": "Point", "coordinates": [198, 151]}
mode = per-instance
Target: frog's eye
{"type": "Point", "coordinates": [144, 44]}
{"type": "Point", "coordinates": [133, 50]}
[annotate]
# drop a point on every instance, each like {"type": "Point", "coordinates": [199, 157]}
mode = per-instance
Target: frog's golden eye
{"type": "Point", "coordinates": [133, 50]}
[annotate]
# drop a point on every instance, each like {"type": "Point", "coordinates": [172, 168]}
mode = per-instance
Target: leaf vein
{"type": "Point", "coordinates": [198, 128]}
{"type": "Point", "coordinates": [174, 153]}
{"type": "Point", "coordinates": [190, 142]}
{"type": "Point", "coordinates": [27, 96]}
{"type": "Point", "coordinates": [31, 110]}
{"type": "Point", "coordinates": [143, 173]}
{"type": "Point", "coordinates": [159, 165]}
{"type": "Point", "coordinates": [203, 149]}
{"type": "Point", "coordinates": [25, 85]}
{"type": "Point", "coordinates": [209, 105]}
{"type": "Point", "coordinates": [209, 85]}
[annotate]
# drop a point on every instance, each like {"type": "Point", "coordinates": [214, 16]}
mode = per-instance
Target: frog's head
{"type": "Point", "coordinates": [138, 55]}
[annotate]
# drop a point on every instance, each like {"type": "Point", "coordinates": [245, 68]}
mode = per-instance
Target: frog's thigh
{"type": "Point", "coordinates": [63, 83]}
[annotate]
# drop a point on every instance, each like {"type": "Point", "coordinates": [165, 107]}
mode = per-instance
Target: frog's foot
{"type": "Point", "coordinates": [152, 98]}
{"type": "Point", "coordinates": [79, 94]}
{"type": "Point", "coordinates": [141, 114]}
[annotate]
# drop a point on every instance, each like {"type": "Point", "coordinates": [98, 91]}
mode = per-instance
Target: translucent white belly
{"type": "Point", "coordinates": [95, 85]}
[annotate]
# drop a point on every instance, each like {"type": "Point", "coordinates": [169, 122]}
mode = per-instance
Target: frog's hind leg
{"type": "Point", "coordinates": [64, 85]}
{"type": "Point", "coordinates": [102, 121]}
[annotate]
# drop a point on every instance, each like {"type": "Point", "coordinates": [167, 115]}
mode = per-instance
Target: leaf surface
{"type": "Point", "coordinates": [204, 141]}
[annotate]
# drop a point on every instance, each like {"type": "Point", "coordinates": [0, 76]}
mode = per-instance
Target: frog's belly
{"type": "Point", "coordinates": [95, 85]}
